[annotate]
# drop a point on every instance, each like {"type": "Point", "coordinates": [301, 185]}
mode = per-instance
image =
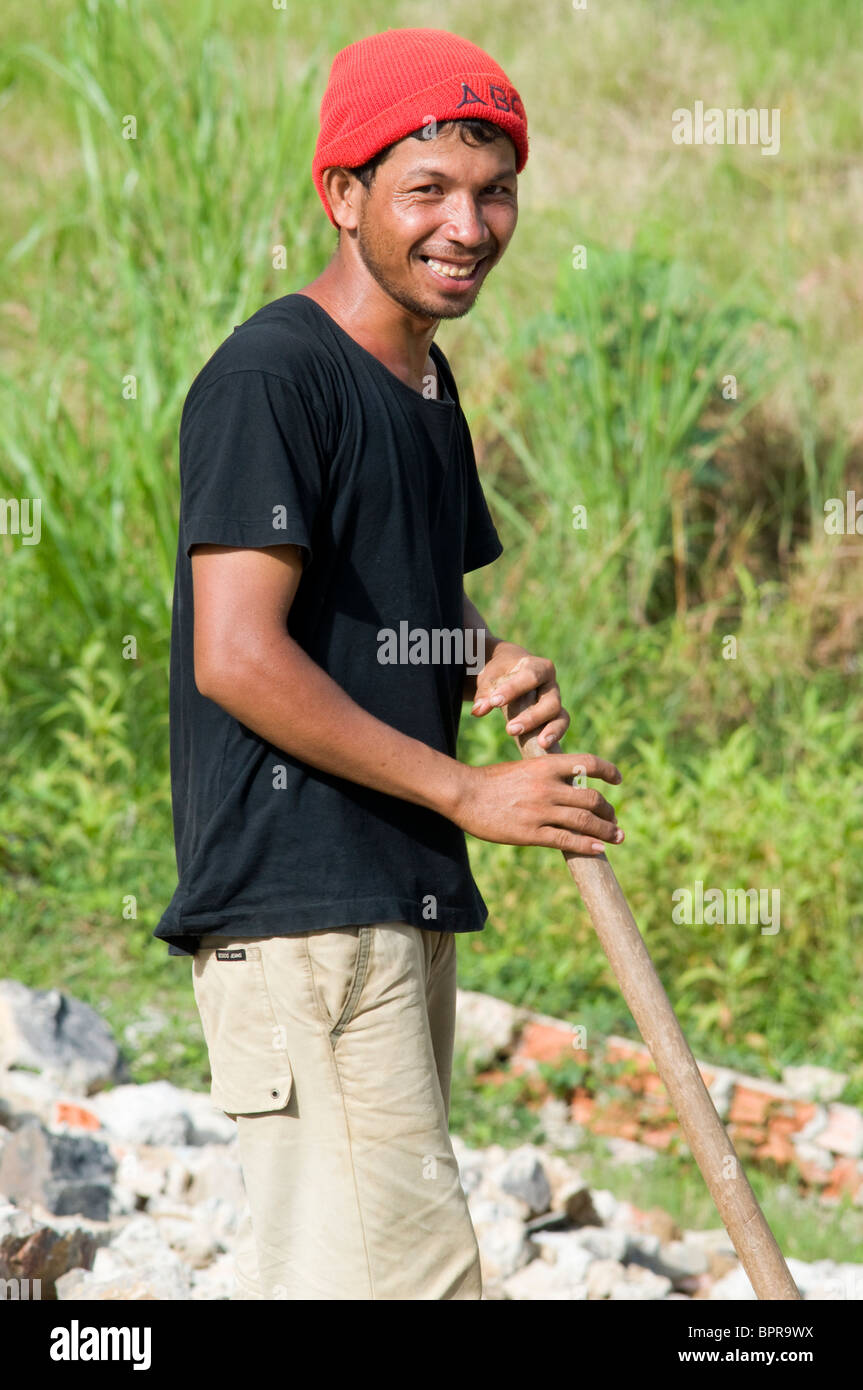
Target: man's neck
{"type": "Point", "coordinates": [399, 339]}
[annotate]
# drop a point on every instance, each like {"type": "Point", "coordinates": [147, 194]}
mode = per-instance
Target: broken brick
{"type": "Point", "coordinates": [545, 1042]}
{"type": "Point", "coordinates": [749, 1107]}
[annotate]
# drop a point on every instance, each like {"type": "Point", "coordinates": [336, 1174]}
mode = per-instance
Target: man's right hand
{"type": "Point", "coordinates": [534, 803]}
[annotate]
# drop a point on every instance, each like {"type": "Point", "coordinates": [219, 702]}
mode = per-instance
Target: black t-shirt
{"type": "Point", "coordinates": [294, 433]}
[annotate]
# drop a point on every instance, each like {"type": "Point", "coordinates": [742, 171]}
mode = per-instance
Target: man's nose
{"type": "Point", "coordinates": [465, 221]}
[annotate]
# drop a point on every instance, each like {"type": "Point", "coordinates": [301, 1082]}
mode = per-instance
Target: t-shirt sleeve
{"type": "Point", "coordinates": [252, 463]}
{"type": "Point", "coordinates": [482, 544]}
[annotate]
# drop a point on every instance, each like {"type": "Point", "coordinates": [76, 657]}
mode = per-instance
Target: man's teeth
{"type": "Point", "coordinates": [455, 272]}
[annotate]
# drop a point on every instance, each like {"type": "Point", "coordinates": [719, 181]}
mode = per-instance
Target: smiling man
{"type": "Point", "coordinates": [329, 493]}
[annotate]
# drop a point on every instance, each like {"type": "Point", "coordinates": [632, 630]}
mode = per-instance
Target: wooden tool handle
{"type": "Point", "coordinates": [657, 1022]}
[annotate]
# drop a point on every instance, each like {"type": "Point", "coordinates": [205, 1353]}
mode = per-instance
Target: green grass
{"type": "Point", "coordinates": [125, 262]}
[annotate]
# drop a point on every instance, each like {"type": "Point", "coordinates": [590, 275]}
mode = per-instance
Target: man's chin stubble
{"type": "Point", "coordinates": [414, 306]}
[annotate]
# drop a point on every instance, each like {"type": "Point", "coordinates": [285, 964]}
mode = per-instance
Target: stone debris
{"type": "Point", "coordinates": [54, 1033]}
{"type": "Point", "coordinates": [135, 1193]}
{"type": "Point", "coordinates": [485, 1027]}
{"type": "Point", "coordinates": [814, 1083]}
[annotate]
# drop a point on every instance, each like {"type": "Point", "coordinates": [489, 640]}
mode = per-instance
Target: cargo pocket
{"type": "Point", "coordinates": [250, 1068]}
{"type": "Point", "coordinates": [338, 964]}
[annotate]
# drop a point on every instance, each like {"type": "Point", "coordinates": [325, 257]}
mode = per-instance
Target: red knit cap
{"type": "Point", "coordinates": [383, 87]}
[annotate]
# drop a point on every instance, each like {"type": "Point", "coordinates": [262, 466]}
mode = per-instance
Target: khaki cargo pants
{"type": "Point", "coordinates": [333, 1051]}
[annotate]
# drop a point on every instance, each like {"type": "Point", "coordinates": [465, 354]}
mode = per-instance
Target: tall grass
{"type": "Point", "coordinates": [140, 257]}
{"type": "Point", "coordinates": [160, 245]}
{"type": "Point", "coordinates": [622, 414]}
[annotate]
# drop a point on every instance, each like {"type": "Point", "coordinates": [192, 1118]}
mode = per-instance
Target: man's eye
{"type": "Point", "coordinates": [426, 188]}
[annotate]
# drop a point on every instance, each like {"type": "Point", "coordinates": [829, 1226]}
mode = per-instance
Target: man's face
{"type": "Point", "coordinates": [439, 214]}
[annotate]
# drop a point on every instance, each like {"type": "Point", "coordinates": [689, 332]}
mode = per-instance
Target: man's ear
{"type": "Point", "coordinates": [343, 192]}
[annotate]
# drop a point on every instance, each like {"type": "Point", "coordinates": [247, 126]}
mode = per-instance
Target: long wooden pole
{"type": "Point", "coordinates": [657, 1022]}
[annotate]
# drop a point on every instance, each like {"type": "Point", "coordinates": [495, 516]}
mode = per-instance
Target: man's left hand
{"type": "Point", "coordinates": [512, 671]}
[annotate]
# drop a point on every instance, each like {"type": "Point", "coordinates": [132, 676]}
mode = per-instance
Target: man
{"type": "Point", "coordinates": [330, 500]}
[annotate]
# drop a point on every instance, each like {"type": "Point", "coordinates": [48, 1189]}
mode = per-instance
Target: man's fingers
{"type": "Point", "coordinates": [533, 673]}
{"type": "Point", "coordinates": [545, 707]}
{"type": "Point", "coordinates": [569, 765]}
{"type": "Point", "coordinates": [574, 844]}
{"type": "Point", "coordinates": [589, 799]}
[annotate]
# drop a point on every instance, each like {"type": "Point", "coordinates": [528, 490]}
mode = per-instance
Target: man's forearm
{"type": "Point", "coordinates": [287, 699]}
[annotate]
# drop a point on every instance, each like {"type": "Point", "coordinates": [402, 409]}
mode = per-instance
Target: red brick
{"type": "Point", "coordinates": [844, 1177]}
{"type": "Point", "coordinates": [621, 1051]}
{"type": "Point", "coordinates": [751, 1134]}
{"type": "Point", "coordinates": [776, 1147]}
{"type": "Point", "coordinates": [659, 1138]}
{"type": "Point", "coordinates": [546, 1042]}
{"type": "Point", "coordinates": [843, 1132]}
{"type": "Point", "coordinates": [812, 1173]}
{"type": "Point", "coordinates": [655, 1108]}
{"type": "Point", "coordinates": [76, 1116]}
{"type": "Point", "coordinates": [582, 1109]}
{"type": "Point", "coordinates": [640, 1061]}
{"type": "Point", "coordinates": [654, 1085]}
{"type": "Point", "coordinates": [783, 1123]}
{"type": "Point", "coordinates": [749, 1107]}
{"type": "Point", "coordinates": [804, 1111]}
{"type": "Point", "coordinates": [617, 1119]}
{"type": "Point", "coordinates": [493, 1078]}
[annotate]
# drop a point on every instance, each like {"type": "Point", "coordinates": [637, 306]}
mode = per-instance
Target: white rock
{"type": "Point", "coordinates": [628, 1151]}
{"type": "Point", "coordinates": [541, 1280]}
{"type": "Point", "coordinates": [222, 1217]}
{"type": "Point", "coordinates": [642, 1246]}
{"type": "Point", "coordinates": [156, 1113]}
{"type": "Point", "coordinates": [840, 1283]}
{"type": "Point", "coordinates": [148, 1283]}
{"type": "Point", "coordinates": [209, 1124]}
{"type": "Point", "coordinates": [679, 1260]}
{"type": "Point", "coordinates": [814, 1083]}
{"type": "Point", "coordinates": [808, 1152]}
{"type": "Point", "coordinates": [721, 1090]}
{"type": "Point", "coordinates": [602, 1277]}
{"type": "Point", "coordinates": [732, 1286]}
{"type": "Point", "coordinates": [715, 1239]}
{"type": "Point", "coordinates": [471, 1165]}
{"type": "Point", "coordinates": [812, 1128]}
{"type": "Point", "coordinates": [604, 1243]}
{"type": "Point", "coordinates": [605, 1204]}
{"type": "Point", "coordinates": [145, 1171]}
{"type": "Point", "coordinates": [557, 1128]}
{"type": "Point", "coordinates": [522, 1175]}
{"type": "Point", "coordinates": [485, 1026]}
{"type": "Point", "coordinates": [215, 1172]}
{"type": "Point", "coordinates": [58, 1035]}
{"type": "Point", "coordinates": [485, 1210]}
{"type": "Point", "coordinates": [188, 1233]}
{"type": "Point", "coordinates": [844, 1134]}
{"type": "Point", "coordinates": [503, 1247]}
{"type": "Point", "coordinates": [640, 1285]}
{"type": "Point", "coordinates": [565, 1250]}
{"type": "Point", "coordinates": [138, 1245]}
{"type": "Point", "coordinates": [15, 1221]}
{"type": "Point", "coordinates": [26, 1093]}
{"type": "Point", "coordinates": [216, 1281]}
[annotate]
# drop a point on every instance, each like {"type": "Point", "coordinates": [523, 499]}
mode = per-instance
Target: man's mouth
{"type": "Point", "coordinates": [463, 272]}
